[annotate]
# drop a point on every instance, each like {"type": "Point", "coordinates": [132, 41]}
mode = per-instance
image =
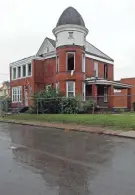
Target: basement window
{"type": "Point", "coordinates": [70, 61]}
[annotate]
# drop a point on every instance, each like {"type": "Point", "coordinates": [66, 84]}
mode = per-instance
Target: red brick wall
{"type": "Point", "coordinates": [124, 100]}
{"type": "Point", "coordinates": [90, 69]}
{"type": "Point", "coordinates": [62, 76]}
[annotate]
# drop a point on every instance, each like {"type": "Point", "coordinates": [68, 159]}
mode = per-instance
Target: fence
{"type": "Point", "coordinates": [116, 102]}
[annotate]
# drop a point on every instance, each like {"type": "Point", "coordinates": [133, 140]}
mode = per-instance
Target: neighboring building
{"type": "Point", "coordinates": [5, 89]}
{"type": "Point", "coordinates": [69, 63]}
{"type": "Point", "coordinates": [125, 98]}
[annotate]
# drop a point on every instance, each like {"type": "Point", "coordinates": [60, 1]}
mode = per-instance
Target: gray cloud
{"type": "Point", "coordinates": [24, 25]}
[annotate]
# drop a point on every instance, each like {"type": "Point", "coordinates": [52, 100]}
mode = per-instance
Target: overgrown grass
{"type": "Point", "coordinates": [120, 121]}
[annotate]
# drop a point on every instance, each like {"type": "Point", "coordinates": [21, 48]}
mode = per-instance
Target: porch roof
{"type": "Point", "coordinates": [115, 84]}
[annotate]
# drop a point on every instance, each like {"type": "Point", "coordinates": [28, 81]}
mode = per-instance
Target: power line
{"type": "Point", "coordinates": [4, 74]}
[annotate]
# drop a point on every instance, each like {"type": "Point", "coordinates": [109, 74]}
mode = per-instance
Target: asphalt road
{"type": "Point", "coordinates": [45, 161]}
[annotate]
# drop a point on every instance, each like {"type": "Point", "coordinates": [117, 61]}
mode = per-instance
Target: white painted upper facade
{"type": "Point", "coordinates": [70, 35]}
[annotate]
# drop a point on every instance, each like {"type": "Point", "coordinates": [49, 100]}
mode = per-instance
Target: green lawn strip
{"type": "Point", "coordinates": [121, 121]}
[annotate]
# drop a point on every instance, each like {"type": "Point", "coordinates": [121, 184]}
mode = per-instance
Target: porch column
{"type": "Point", "coordinates": [129, 105]}
{"type": "Point", "coordinates": [110, 97]}
{"type": "Point", "coordinates": [94, 92]}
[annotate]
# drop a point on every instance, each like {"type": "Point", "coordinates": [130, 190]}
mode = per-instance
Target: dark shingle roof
{"type": "Point", "coordinates": [71, 16]}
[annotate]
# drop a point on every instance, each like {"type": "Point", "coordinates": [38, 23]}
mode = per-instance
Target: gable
{"type": "Point", "coordinates": [46, 47]}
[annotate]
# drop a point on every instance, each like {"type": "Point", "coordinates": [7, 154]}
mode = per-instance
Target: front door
{"type": "Point", "coordinates": [25, 97]}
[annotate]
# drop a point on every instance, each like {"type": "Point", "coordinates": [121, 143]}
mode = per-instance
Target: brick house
{"type": "Point", "coordinates": [125, 98]}
{"type": "Point", "coordinates": [69, 63]}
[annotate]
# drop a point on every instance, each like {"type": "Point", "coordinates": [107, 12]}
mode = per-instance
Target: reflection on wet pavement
{"type": "Point", "coordinates": [50, 161]}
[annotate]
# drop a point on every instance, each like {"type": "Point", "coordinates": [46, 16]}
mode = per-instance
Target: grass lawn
{"type": "Point", "coordinates": [118, 121]}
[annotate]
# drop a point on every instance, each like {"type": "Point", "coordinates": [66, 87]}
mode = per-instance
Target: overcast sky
{"type": "Point", "coordinates": [25, 23]}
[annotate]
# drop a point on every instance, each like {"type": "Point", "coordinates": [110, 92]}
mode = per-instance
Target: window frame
{"type": "Point", "coordinates": [67, 91]}
{"type": "Point", "coordinates": [57, 87]}
{"type": "Point", "coordinates": [83, 63]}
{"type": "Point", "coordinates": [28, 70]}
{"type": "Point", "coordinates": [96, 67]}
{"type": "Point", "coordinates": [18, 72]}
{"type": "Point", "coordinates": [14, 68]}
{"type": "Point", "coordinates": [25, 71]}
{"type": "Point", "coordinates": [57, 64]}
{"type": "Point", "coordinates": [105, 94]}
{"type": "Point", "coordinates": [67, 61]}
{"type": "Point", "coordinates": [17, 94]}
{"type": "Point", "coordinates": [70, 35]}
{"type": "Point", "coordinates": [105, 71]}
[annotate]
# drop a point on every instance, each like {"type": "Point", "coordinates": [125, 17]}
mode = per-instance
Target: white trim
{"type": "Point", "coordinates": [16, 94]}
{"type": "Point", "coordinates": [67, 88]}
{"type": "Point", "coordinates": [106, 82]}
{"type": "Point", "coordinates": [96, 66]}
{"type": "Point", "coordinates": [83, 63]}
{"type": "Point", "coordinates": [99, 59]}
{"type": "Point", "coordinates": [25, 61]}
{"type": "Point", "coordinates": [67, 60]}
{"type": "Point", "coordinates": [70, 27]}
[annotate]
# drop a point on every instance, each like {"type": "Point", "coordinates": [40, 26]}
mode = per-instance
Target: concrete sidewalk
{"type": "Point", "coordinates": [75, 127]}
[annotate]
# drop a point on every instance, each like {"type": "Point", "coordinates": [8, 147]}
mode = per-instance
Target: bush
{"type": "Point", "coordinates": [5, 104]}
{"type": "Point", "coordinates": [52, 101]}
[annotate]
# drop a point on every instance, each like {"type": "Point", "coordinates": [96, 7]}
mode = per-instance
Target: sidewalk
{"type": "Point", "coordinates": [74, 127]}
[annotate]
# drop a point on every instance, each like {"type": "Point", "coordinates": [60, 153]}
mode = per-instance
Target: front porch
{"type": "Point", "coordinates": [102, 91]}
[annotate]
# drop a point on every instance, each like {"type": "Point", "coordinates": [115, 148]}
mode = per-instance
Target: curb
{"type": "Point", "coordinates": [101, 132]}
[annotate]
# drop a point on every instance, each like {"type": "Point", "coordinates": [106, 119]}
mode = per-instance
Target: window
{"type": "Point", "coordinates": [70, 35]}
{"type": "Point", "coordinates": [57, 64]}
{"type": "Point", "coordinates": [57, 87]}
{"type": "Point", "coordinates": [29, 70]}
{"type": "Point", "coordinates": [70, 61]}
{"type": "Point", "coordinates": [24, 70]}
{"type": "Point", "coordinates": [19, 71]}
{"type": "Point", "coordinates": [16, 94]}
{"type": "Point", "coordinates": [83, 91]}
{"type": "Point", "coordinates": [117, 90]}
{"type": "Point", "coordinates": [70, 89]}
{"type": "Point", "coordinates": [14, 73]}
{"type": "Point", "coordinates": [83, 63]}
{"type": "Point", "coordinates": [48, 87]}
{"type": "Point", "coordinates": [105, 94]}
{"type": "Point", "coordinates": [105, 71]}
{"type": "Point", "coordinates": [95, 69]}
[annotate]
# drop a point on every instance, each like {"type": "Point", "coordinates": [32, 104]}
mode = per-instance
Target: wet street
{"type": "Point", "coordinates": [45, 161]}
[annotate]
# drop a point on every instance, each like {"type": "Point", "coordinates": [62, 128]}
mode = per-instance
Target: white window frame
{"type": "Point", "coordinates": [18, 72]}
{"type": "Point", "coordinates": [48, 86]}
{"type": "Point", "coordinates": [25, 70]}
{"type": "Point", "coordinates": [67, 60]}
{"type": "Point", "coordinates": [70, 35]}
{"type": "Point", "coordinates": [57, 87]}
{"type": "Point", "coordinates": [57, 64]}
{"type": "Point", "coordinates": [14, 68]}
{"type": "Point", "coordinates": [27, 66]}
{"type": "Point", "coordinates": [70, 91]}
{"type": "Point", "coordinates": [96, 68]}
{"type": "Point", "coordinates": [83, 63]}
{"type": "Point", "coordinates": [105, 94]}
{"type": "Point", "coordinates": [83, 91]}
{"type": "Point", "coordinates": [16, 94]}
